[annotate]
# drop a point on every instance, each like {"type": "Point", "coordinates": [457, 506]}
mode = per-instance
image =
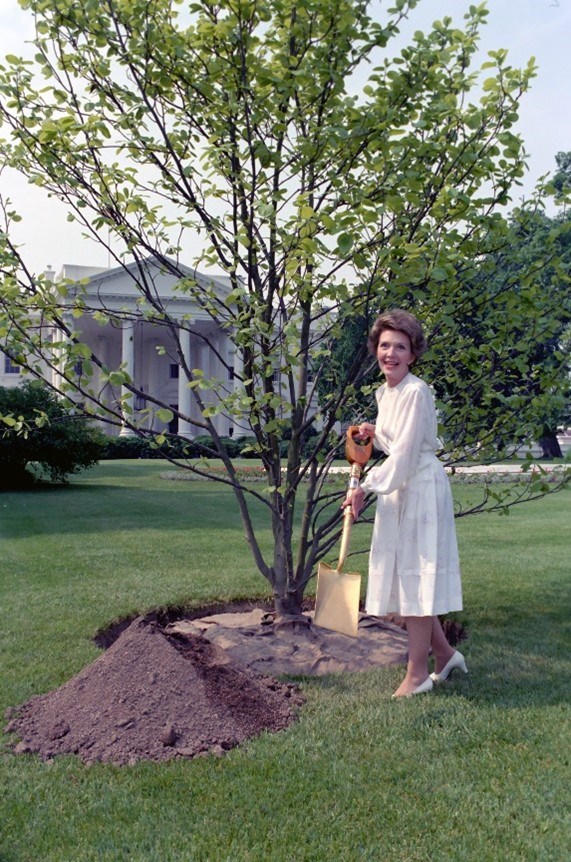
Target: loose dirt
{"type": "Point", "coordinates": [191, 687]}
{"type": "Point", "coordinates": [153, 696]}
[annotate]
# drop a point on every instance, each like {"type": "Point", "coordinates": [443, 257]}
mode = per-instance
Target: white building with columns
{"type": "Point", "coordinates": [148, 351]}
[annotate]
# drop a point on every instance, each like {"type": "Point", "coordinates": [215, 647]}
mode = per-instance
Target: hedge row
{"type": "Point", "coordinates": [140, 447]}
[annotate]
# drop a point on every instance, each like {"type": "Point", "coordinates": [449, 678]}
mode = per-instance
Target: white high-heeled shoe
{"type": "Point", "coordinates": [423, 688]}
{"type": "Point", "coordinates": [457, 662]}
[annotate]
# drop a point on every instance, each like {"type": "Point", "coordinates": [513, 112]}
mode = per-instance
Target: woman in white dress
{"type": "Point", "coordinates": [413, 567]}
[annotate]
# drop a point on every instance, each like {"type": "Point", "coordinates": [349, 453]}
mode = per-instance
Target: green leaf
{"type": "Point", "coordinates": [164, 415]}
{"type": "Point", "coordinates": [345, 243]}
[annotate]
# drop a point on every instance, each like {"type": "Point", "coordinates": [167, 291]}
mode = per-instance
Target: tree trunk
{"type": "Point", "coordinates": [550, 445]}
{"type": "Point", "coordinates": [287, 596]}
{"type": "Point", "coordinates": [289, 604]}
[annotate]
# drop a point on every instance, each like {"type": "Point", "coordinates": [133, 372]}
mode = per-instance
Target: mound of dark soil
{"type": "Point", "coordinates": [154, 696]}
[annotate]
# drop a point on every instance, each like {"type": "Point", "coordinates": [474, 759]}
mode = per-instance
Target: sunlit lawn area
{"type": "Point", "coordinates": [479, 770]}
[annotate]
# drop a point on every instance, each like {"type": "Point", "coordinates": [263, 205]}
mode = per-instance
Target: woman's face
{"type": "Point", "coordinates": [394, 355]}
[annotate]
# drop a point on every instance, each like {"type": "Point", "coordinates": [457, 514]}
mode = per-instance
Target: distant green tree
{"type": "Point", "coordinates": [41, 438]}
{"type": "Point", "coordinates": [508, 342]}
{"type": "Point", "coordinates": [548, 241]}
{"type": "Point", "coordinates": [517, 311]}
{"type": "Point", "coordinates": [562, 177]}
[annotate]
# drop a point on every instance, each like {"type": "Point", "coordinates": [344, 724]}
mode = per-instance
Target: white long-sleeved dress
{"type": "Point", "coordinates": [413, 565]}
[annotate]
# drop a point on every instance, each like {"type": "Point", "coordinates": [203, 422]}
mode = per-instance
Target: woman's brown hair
{"type": "Point", "coordinates": [401, 321]}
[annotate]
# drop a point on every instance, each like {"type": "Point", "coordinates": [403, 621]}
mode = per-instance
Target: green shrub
{"type": "Point", "coordinates": [245, 442]}
{"type": "Point", "coordinates": [236, 447]}
{"type": "Point", "coordinates": [231, 444]}
{"type": "Point", "coordinates": [202, 440]}
{"type": "Point", "coordinates": [42, 438]}
{"type": "Point", "coordinates": [132, 446]}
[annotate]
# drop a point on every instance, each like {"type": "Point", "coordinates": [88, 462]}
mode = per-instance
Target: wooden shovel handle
{"type": "Point", "coordinates": [348, 517]}
{"type": "Point", "coordinates": [345, 535]}
{"type": "Point", "coordinates": [357, 453]}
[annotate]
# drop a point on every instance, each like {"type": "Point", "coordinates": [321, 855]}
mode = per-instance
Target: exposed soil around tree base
{"type": "Point", "coordinates": [294, 646]}
{"type": "Point", "coordinates": [188, 687]}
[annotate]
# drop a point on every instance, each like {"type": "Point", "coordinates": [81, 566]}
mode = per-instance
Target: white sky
{"type": "Point", "coordinates": [539, 28]}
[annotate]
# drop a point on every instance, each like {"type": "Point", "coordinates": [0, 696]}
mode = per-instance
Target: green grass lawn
{"type": "Point", "coordinates": [479, 770]}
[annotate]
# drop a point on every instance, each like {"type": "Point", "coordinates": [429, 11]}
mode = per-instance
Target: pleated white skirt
{"type": "Point", "coordinates": [413, 566]}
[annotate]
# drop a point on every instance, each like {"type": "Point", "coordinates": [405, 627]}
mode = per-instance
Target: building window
{"type": "Point", "coordinates": [10, 366]}
{"type": "Point", "coordinates": [173, 371]}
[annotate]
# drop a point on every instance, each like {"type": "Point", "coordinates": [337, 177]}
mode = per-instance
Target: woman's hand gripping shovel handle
{"type": "Point", "coordinates": [357, 453]}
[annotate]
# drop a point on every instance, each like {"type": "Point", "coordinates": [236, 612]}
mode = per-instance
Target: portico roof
{"type": "Point", "coordinates": [122, 287]}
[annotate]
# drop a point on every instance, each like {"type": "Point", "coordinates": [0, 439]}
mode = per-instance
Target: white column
{"type": "Point", "coordinates": [234, 356]}
{"type": "Point", "coordinates": [184, 393]}
{"type": "Point", "coordinates": [57, 357]}
{"type": "Point", "coordinates": [153, 360]}
{"type": "Point", "coordinates": [205, 363]}
{"type": "Point", "coordinates": [238, 358]}
{"type": "Point", "coordinates": [240, 425]}
{"type": "Point", "coordinates": [102, 350]}
{"type": "Point", "coordinates": [128, 364]}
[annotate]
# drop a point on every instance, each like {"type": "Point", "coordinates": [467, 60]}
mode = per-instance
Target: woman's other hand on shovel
{"type": "Point", "coordinates": [366, 431]}
{"type": "Point", "coordinates": [355, 499]}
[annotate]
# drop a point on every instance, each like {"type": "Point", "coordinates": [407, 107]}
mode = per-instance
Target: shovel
{"type": "Point", "coordinates": [338, 592]}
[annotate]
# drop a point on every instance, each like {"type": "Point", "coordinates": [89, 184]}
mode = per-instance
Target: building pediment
{"type": "Point", "coordinates": [168, 283]}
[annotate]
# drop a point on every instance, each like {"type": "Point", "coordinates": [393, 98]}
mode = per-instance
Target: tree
{"type": "Point", "coordinates": [246, 124]}
{"type": "Point", "coordinates": [562, 179]}
{"type": "Point", "coordinates": [41, 437]}
{"type": "Point", "coordinates": [547, 242]}
{"type": "Point", "coordinates": [525, 283]}
{"type": "Point", "coordinates": [536, 256]}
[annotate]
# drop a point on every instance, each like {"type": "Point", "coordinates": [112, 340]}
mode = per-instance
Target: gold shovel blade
{"type": "Point", "coordinates": [337, 600]}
